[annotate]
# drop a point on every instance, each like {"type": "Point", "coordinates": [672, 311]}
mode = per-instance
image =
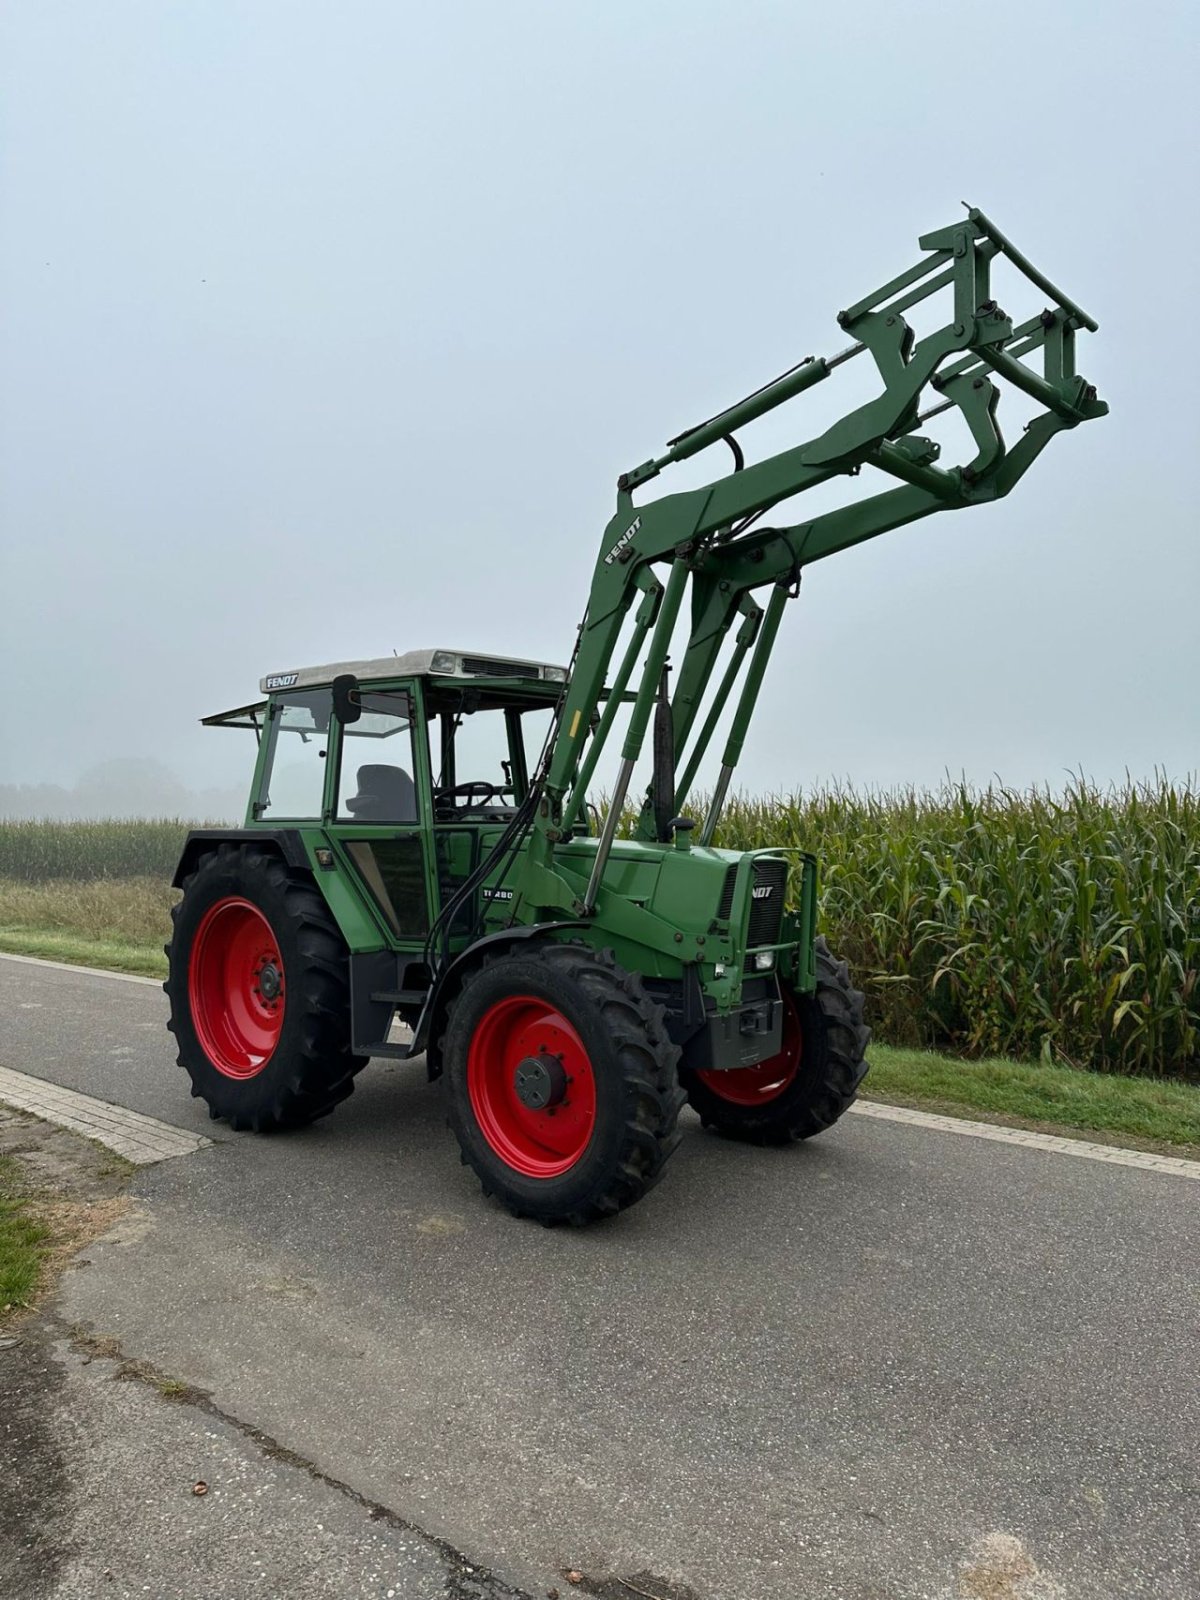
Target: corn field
{"type": "Point", "coordinates": [39, 852]}
{"type": "Point", "coordinates": [1061, 927]}
{"type": "Point", "coordinates": [1065, 927]}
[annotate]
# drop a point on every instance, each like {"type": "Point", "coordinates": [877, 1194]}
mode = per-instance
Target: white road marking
{"type": "Point", "coordinates": [139, 1139]}
{"type": "Point", "coordinates": [1176, 1166]}
{"type": "Point", "coordinates": [1082, 1149]}
{"type": "Point", "coordinates": [91, 972]}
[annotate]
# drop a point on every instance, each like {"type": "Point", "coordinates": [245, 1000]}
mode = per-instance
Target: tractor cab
{"type": "Point", "coordinates": [404, 770]}
{"type": "Point", "coordinates": [433, 737]}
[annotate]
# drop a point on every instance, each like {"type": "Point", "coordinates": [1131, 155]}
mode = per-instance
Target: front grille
{"type": "Point", "coordinates": [766, 903]}
{"type": "Point", "coordinates": [730, 884]}
{"type": "Point", "coordinates": [481, 667]}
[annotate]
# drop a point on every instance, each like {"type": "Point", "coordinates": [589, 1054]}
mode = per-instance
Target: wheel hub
{"type": "Point", "coordinates": [270, 981]}
{"type": "Point", "coordinates": [540, 1081]}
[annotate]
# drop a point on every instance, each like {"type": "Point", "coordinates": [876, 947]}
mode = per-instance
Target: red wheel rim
{"type": "Point", "coordinates": [235, 986]}
{"type": "Point", "coordinates": [755, 1086]}
{"type": "Point", "coordinates": [522, 1034]}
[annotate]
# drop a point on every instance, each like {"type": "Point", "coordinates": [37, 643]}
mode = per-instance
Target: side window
{"type": "Point", "coordinates": [535, 727]}
{"type": "Point", "coordinates": [375, 783]}
{"type": "Point", "coordinates": [394, 872]}
{"type": "Point", "coordinates": [294, 775]}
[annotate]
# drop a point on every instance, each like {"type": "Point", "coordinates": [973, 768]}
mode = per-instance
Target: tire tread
{"type": "Point", "coordinates": [323, 1068]}
{"type": "Point", "coordinates": [648, 1065]}
{"type": "Point", "coordinates": [823, 1100]}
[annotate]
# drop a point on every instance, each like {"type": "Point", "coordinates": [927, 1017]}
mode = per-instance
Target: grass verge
{"type": "Point", "coordinates": [1143, 1113]}
{"type": "Point", "coordinates": [121, 924]}
{"type": "Point", "coordinates": [58, 1192]}
{"type": "Point", "coordinates": [23, 1241]}
{"type": "Point", "coordinates": [146, 960]}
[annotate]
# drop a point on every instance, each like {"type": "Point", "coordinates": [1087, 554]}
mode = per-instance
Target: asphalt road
{"type": "Point", "coordinates": [890, 1364]}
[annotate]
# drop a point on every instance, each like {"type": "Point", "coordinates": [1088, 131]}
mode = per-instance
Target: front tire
{"type": "Point", "coordinates": [562, 1083]}
{"type": "Point", "coordinates": [810, 1083]}
{"type": "Point", "coordinates": [259, 986]}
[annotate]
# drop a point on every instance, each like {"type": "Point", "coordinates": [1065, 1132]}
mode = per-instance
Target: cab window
{"type": "Point", "coordinates": [293, 780]}
{"type": "Point", "coordinates": [486, 754]}
{"type": "Point", "coordinates": [376, 776]}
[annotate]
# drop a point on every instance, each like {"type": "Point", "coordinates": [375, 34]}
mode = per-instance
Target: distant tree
{"type": "Point", "coordinates": [131, 786]}
{"type": "Point", "coordinates": [23, 801]}
{"type": "Point", "coordinates": [126, 786]}
{"type": "Point", "coordinates": [218, 805]}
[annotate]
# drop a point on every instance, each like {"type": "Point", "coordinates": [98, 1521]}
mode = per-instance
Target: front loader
{"type": "Point", "coordinates": [447, 889]}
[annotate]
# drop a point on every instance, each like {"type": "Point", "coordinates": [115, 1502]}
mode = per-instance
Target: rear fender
{"type": "Point", "coordinates": [285, 843]}
{"type": "Point", "coordinates": [428, 1032]}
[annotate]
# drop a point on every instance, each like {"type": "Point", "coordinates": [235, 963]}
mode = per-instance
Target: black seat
{"type": "Point", "coordinates": [385, 794]}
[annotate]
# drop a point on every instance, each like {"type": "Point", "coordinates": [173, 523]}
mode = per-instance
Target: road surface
{"type": "Point", "coordinates": [890, 1364]}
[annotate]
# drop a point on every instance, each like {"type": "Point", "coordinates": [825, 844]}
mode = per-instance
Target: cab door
{"type": "Point", "coordinates": [378, 810]}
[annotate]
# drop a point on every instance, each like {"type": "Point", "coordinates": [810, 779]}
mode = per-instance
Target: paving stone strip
{"type": "Point", "coordinates": [140, 1139]}
{"type": "Point", "coordinates": [1176, 1166]}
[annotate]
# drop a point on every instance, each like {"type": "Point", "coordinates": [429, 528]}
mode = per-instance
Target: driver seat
{"type": "Point", "coordinates": [385, 794]}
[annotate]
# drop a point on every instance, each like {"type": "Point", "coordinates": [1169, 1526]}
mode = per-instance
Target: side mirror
{"type": "Point", "coordinates": [347, 698]}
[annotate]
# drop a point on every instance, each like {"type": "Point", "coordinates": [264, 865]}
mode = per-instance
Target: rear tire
{"type": "Point", "coordinates": [812, 1081]}
{"type": "Point", "coordinates": [562, 1082]}
{"type": "Point", "coordinates": [259, 986]}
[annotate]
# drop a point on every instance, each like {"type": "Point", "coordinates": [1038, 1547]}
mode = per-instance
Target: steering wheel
{"type": "Point", "coordinates": [476, 794]}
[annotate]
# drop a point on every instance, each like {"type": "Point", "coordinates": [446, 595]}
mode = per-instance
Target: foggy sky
{"type": "Point", "coordinates": [326, 330]}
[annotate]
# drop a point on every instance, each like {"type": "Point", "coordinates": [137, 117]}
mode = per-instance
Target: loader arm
{"type": "Point", "coordinates": [706, 540]}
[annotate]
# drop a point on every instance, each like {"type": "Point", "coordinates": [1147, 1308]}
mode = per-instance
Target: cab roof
{"type": "Point", "coordinates": [456, 664]}
{"type": "Point", "coordinates": [417, 663]}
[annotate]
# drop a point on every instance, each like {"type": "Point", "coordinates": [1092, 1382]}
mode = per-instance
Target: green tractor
{"type": "Point", "coordinates": [420, 871]}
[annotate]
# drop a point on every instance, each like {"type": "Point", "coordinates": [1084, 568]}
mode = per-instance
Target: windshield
{"type": "Point", "coordinates": [486, 755]}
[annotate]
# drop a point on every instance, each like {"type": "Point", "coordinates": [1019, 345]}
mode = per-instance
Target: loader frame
{"type": "Point", "coordinates": [707, 540]}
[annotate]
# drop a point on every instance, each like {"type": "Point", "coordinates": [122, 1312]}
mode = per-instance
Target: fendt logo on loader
{"type": "Point", "coordinates": [625, 539]}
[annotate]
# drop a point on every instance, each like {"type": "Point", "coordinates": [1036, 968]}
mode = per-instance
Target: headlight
{"type": "Point", "coordinates": [554, 674]}
{"type": "Point", "coordinates": [718, 969]}
{"type": "Point", "coordinates": [443, 661]}
{"type": "Point", "coordinates": [764, 961]}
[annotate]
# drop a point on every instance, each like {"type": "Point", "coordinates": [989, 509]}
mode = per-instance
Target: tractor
{"type": "Point", "coordinates": [421, 871]}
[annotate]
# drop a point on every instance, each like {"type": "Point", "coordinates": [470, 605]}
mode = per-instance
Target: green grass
{"type": "Point", "coordinates": [121, 924]}
{"type": "Point", "coordinates": [1103, 1106]}
{"type": "Point", "coordinates": [146, 960]}
{"type": "Point", "coordinates": [21, 1242]}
